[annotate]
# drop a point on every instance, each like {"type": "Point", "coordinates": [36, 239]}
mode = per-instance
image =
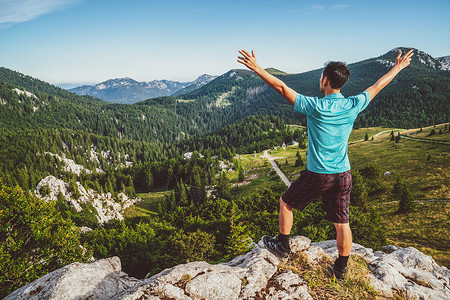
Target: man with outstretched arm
{"type": "Point", "coordinates": [330, 121]}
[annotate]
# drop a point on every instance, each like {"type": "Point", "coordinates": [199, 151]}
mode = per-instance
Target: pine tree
{"type": "Point", "coordinates": [241, 175]}
{"type": "Point", "coordinates": [149, 181]}
{"type": "Point", "coordinates": [299, 162]}
{"type": "Point", "coordinates": [239, 240]}
{"type": "Point", "coordinates": [223, 187]}
{"type": "Point", "coordinates": [183, 195]}
{"type": "Point", "coordinates": [406, 204]}
{"type": "Point", "coordinates": [401, 192]}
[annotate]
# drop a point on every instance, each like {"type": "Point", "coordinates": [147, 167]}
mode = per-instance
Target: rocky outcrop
{"type": "Point", "coordinates": [106, 206]}
{"type": "Point", "coordinates": [102, 279]}
{"type": "Point", "coordinates": [254, 275]}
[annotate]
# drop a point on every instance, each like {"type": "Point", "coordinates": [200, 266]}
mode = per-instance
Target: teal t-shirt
{"type": "Point", "coordinates": [330, 121]}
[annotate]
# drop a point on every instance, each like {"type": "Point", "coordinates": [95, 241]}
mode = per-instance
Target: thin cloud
{"type": "Point", "coordinates": [18, 11]}
{"type": "Point", "coordinates": [340, 6]}
{"type": "Point", "coordinates": [316, 8]}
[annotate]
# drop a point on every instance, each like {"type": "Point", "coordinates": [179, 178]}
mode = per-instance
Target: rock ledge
{"type": "Point", "coordinates": [249, 276]}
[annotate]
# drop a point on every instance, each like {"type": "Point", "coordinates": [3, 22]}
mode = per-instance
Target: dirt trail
{"type": "Point", "coordinates": [424, 140]}
{"type": "Point", "coordinates": [275, 166]}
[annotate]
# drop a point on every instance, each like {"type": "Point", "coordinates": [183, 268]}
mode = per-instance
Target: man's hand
{"type": "Point", "coordinates": [279, 86]}
{"type": "Point", "coordinates": [248, 60]}
{"type": "Point", "coordinates": [401, 62]}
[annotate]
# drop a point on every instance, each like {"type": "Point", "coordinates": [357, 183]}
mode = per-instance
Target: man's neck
{"type": "Point", "coordinates": [329, 91]}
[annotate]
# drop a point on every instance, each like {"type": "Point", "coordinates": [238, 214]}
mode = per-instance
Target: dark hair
{"type": "Point", "coordinates": [337, 74]}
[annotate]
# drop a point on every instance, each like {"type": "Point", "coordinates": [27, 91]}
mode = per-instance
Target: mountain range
{"type": "Point", "coordinates": [129, 91]}
{"type": "Point", "coordinates": [418, 96]}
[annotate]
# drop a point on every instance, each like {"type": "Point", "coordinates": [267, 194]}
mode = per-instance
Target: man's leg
{"type": "Point", "coordinates": [343, 238]}
{"type": "Point", "coordinates": [344, 245]}
{"type": "Point", "coordinates": [286, 218]}
{"type": "Point", "coordinates": [280, 246]}
{"type": "Point", "coordinates": [299, 194]}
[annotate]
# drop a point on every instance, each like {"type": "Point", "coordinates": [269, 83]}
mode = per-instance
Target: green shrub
{"type": "Point", "coordinates": [34, 239]}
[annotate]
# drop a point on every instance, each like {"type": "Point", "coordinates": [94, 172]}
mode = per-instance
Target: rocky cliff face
{"type": "Point", "coordinates": [255, 275]}
{"type": "Point", "coordinates": [106, 206]}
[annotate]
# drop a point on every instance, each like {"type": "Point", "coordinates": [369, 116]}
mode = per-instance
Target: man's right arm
{"type": "Point", "coordinates": [279, 86]}
{"type": "Point", "coordinates": [401, 62]}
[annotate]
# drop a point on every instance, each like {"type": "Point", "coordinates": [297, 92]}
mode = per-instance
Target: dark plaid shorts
{"type": "Point", "coordinates": [334, 188]}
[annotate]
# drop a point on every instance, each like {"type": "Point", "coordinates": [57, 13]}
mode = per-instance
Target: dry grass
{"type": "Point", "coordinates": [321, 285]}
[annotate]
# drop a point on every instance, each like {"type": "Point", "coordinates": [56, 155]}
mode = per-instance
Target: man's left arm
{"type": "Point", "coordinates": [401, 62]}
{"type": "Point", "coordinates": [279, 86]}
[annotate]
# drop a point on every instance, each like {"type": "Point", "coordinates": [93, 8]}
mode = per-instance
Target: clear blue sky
{"type": "Point", "coordinates": [89, 41]}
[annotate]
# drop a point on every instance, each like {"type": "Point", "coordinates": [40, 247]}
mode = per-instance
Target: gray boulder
{"type": "Point", "coordinates": [411, 271]}
{"type": "Point", "coordinates": [102, 279]}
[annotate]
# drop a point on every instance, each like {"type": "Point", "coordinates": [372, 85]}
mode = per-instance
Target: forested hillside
{"type": "Point", "coordinates": [111, 164]}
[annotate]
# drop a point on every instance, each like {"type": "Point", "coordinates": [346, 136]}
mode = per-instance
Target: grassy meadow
{"type": "Point", "coordinates": [147, 207]}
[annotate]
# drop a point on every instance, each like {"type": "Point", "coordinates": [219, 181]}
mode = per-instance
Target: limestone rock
{"type": "Point", "coordinates": [290, 286]}
{"type": "Point", "coordinates": [314, 254]}
{"type": "Point", "coordinates": [214, 285]}
{"type": "Point", "coordinates": [98, 280]}
{"type": "Point", "coordinates": [390, 248]}
{"type": "Point", "coordinates": [413, 272]}
{"type": "Point", "coordinates": [299, 243]}
{"type": "Point", "coordinates": [106, 207]}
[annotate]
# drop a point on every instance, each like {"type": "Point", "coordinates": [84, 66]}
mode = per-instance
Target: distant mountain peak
{"type": "Point", "coordinates": [128, 90]}
{"type": "Point", "coordinates": [274, 71]}
{"type": "Point", "coordinates": [196, 84]}
{"type": "Point", "coordinates": [421, 57]}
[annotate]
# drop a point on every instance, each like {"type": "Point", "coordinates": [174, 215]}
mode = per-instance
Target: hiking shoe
{"type": "Point", "coordinates": [339, 274]}
{"type": "Point", "coordinates": [276, 247]}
